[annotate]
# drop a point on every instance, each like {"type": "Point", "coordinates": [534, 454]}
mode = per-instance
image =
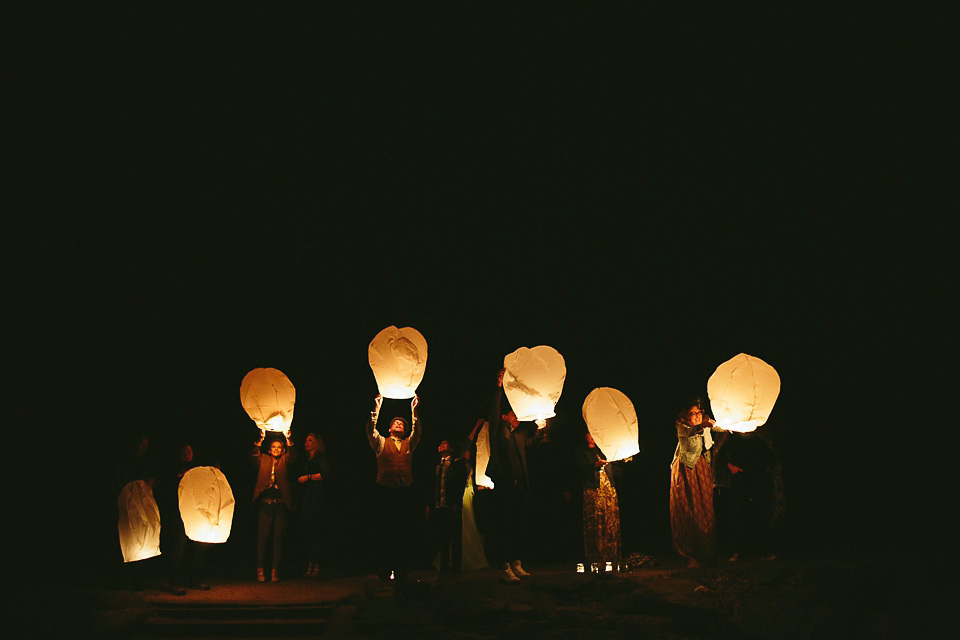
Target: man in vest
{"type": "Point", "coordinates": [396, 502]}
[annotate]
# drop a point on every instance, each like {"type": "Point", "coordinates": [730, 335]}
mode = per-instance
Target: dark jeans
{"type": "Point", "coordinates": [181, 546]}
{"type": "Point", "coordinates": [396, 520]}
{"type": "Point", "coordinates": [509, 526]}
{"type": "Point", "coordinates": [447, 528]}
{"type": "Point", "coordinates": [270, 518]}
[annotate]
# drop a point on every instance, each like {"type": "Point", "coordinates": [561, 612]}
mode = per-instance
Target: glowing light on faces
{"type": "Point", "coordinates": [398, 359]}
{"type": "Point", "coordinates": [612, 422]}
{"type": "Point", "coordinates": [533, 381]}
{"type": "Point", "coordinates": [742, 393]}
{"type": "Point", "coordinates": [139, 522]}
{"type": "Point", "coordinates": [268, 396]}
{"type": "Point", "coordinates": [206, 505]}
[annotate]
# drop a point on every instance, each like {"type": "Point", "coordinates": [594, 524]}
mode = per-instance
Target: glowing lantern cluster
{"type": "Point", "coordinates": [612, 421]}
{"type": "Point", "coordinates": [533, 381]}
{"type": "Point", "coordinates": [268, 396]}
{"type": "Point", "coordinates": [742, 393]}
{"type": "Point", "coordinates": [483, 457]}
{"type": "Point", "coordinates": [398, 358]}
{"type": "Point", "coordinates": [206, 504]}
{"type": "Point", "coordinates": [139, 523]}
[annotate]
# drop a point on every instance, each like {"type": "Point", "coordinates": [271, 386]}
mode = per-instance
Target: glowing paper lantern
{"type": "Point", "coordinates": [206, 504]}
{"type": "Point", "coordinates": [612, 421]}
{"type": "Point", "coordinates": [139, 523]}
{"type": "Point", "coordinates": [483, 457]}
{"type": "Point", "coordinates": [268, 397]}
{"type": "Point", "coordinates": [398, 358]}
{"type": "Point", "coordinates": [533, 381]}
{"type": "Point", "coordinates": [742, 392]}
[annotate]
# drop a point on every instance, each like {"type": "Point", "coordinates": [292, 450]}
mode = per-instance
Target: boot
{"type": "Point", "coordinates": [260, 576]}
{"type": "Point", "coordinates": [518, 570]}
{"type": "Point", "coordinates": [508, 577]}
{"type": "Point", "coordinates": [274, 576]}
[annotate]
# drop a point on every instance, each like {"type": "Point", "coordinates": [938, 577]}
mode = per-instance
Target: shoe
{"type": "Point", "coordinates": [274, 576]}
{"type": "Point", "coordinates": [178, 590]}
{"type": "Point", "coordinates": [316, 571]}
{"type": "Point", "coordinates": [734, 558]}
{"type": "Point", "coordinates": [203, 586]}
{"type": "Point", "coordinates": [508, 576]}
{"type": "Point", "coordinates": [260, 576]}
{"type": "Point", "coordinates": [518, 570]}
{"type": "Point", "coordinates": [309, 572]}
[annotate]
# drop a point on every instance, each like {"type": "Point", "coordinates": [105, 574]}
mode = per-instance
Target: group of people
{"type": "Point", "coordinates": [715, 476]}
{"type": "Point", "coordinates": [726, 490]}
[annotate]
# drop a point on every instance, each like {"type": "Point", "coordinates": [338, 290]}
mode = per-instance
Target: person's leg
{"type": "Point", "coordinates": [456, 539]}
{"type": "Point", "coordinates": [279, 528]}
{"type": "Point", "coordinates": [264, 522]}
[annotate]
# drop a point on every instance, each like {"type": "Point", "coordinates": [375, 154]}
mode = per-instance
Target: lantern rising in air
{"type": "Point", "coordinates": [533, 381]}
{"type": "Point", "coordinates": [206, 504]}
{"type": "Point", "coordinates": [139, 522]}
{"type": "Point", "coordinates": [398, 358]}
{"type": "Point", "coordinates": [742, 393]}
{"type": "Point", "coordinates": [483, 457]}
{"type": "Point", "coordinates": [612, 421]}
{"type": "Point", "coordinates": [268, 396]}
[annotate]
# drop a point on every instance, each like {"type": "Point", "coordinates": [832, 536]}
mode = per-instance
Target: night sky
{"type": "Point", "coordinates": [650, 191]}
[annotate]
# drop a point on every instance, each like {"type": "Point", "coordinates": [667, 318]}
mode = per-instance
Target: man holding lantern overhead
{"type": "Point", "coordinates": [396, 502]}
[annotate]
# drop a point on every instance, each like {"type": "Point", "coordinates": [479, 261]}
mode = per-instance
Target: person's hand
{"type": "Point", "coordinates": [500, 377]}
{"type": "Point", "coordinates": [377, 402]}
{"type": "Point", "coordinates": [287, 434]}
{"type": "Point", "coordinates": [415, 402]}
{"type": "Point", "coordinates": [303, 479]}
{"type": "Point", "coordinates": [263, 433]}
{"type": "Point", "coordinates": [734, 469]}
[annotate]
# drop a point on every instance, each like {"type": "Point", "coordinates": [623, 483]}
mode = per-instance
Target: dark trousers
{"type": "Point", "coordinates": [396, 521]}
{"type": "Point", "coordinates": [180, 547]}
{"type": "Point", "coordinates": [447, 528]}
{"type": "Point", "coordinates": [271, 518]}
{"type": "Point", "coordinates": [509, 528]}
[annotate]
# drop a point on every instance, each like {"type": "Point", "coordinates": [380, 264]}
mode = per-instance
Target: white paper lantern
{"type": "Point", "coordinates": [742, 393]}
{"type": "Point", "coordinates": [268, 396]}
{"type": "Point", "coordinates": [206, 504]}
{"type": "Point", "coordinates": [533, 381]}
{"type": "Point", "coordinates": [483, 457]}
{"type": "Point", "coordinates": [612, 421]}
{"type": "Point", "coordinates": [139, 522]}
{"type": "Point", "coordinates": [398, 358]}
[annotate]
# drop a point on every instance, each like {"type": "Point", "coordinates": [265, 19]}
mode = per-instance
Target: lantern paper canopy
{"type": "Point", "coordinates": [483, 457]}
{"type": "Point", "coordinates": [742, 393]}
{"type": "Point", "coordinates": [612, 421]}
{"type": "Point", "coordinates": [267, 395]}
{"type": "Point", "coordinates": [206, 504]}
{"type": "Point", "coordinates": [398, 358]}
{"type": "Point", "coordinates": [139, 523]}
{"type": "Point", "coordinates": [533, 380]}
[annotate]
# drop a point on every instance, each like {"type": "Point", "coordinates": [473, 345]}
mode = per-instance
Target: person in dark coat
{"type": "Point", "coordinates": [193, 572]}
{"type": "Point", "coordinates": [446, 508]}
{"type": "Point", "coordinates": [272, 499]}
{"type": "Point", "coordinates": [313, 501]}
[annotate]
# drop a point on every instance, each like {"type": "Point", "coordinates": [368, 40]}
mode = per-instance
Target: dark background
{"type": "Point", "coordinates": [650, 190]}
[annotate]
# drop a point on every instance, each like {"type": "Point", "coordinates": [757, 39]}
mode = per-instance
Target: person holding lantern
{"type": "Point", "coordinates": [272, 499]}
{"type": "Point", "coordinates": [396, 502]}
{"type": "Point", "coordinates": [691, 487]}
{"type": "Point", "coordinates": [510, 445]}
{"type": "Point", "coordinates": [446, 508]}
{"type": "Point", "coordinates": [313, 501]}
{"type": "Point", "coordinates": [601, 509]}
{"type": "Point", "coordinates": [176, 534]}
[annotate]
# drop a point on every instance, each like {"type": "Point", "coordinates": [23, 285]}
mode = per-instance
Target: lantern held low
{"type": "Point", "coordinates": [742, 393]}
{"type": "Point", "coordinates": [268, 396]}
{"type": "Point", "coordinates": [398, 358]}
{"type": "Point", "coordinates": [139, 523]}
{"type": "Point", "coordinates": [533, 381]}
{"type": "Point", "coordinates": [483, 457]}
{"type": "Point", "coordinates": [206, 504]}
{"type": "Point", "coordinates": [612, 421]}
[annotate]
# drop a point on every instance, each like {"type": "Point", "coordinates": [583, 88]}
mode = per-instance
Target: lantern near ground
{"type": "Point", "coordinates": [139, 522]}
{"type": "Point", "coordinates": [533, 381]}
{"type": "Point", "coordinates": [268, 396]}
{"type": "Point", "coordinates": [206, 504]}
{"type": "Point", "coordinates": [398, 358]}
{"type": "Point", "coordinates": [742, 393]}
{"type": "Point", "coordinates": [612, 421]}
{"type": "Point", "coordinates": [483, 457]}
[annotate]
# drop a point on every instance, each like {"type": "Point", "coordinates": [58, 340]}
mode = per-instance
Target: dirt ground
{"type": "Point", "coordinates": [787, 598]}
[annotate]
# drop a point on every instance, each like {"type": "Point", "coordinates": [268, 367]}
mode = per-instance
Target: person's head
{"type": "Point", "coordinates": [313, 443]}
{"type": "Point", "coordinates": [692, 414]}
{"type": "Point", "coordinates": [398, 428]}
{"type": "Point", "coordinates": [142, 444]}
{"type": "Point", "coordinates": [511, 418]}
{"type": "Point", "coordinates": [186, 453]}
{"type": "Point", "coordinates": [445, 449]}
{"type": "Point", "coordinates": [589, 439]}
{"type": "Point", "coordinates": [277, 448]}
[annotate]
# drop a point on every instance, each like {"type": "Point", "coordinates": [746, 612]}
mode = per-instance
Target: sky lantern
{"type": "Point", "coordinates": [206, 504]}
{"type": "Point", "coordinates": [267, 395]}
{"type": "Point", "coordinates": [612, 421]}
{"type": "Point", "coordinates": [533, 380]}
{"type": "Point", "coordinates": [483, 457]}
{"type": "Point", "coordinates": [742, 393]}
{"type": "Point", "coordinates": [139, 523]}
{"type": "Point", "coordinates": [398, 358]}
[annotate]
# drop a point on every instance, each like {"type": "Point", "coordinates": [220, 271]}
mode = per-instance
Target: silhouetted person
{"type": "Point", "coordinates": [601, 508]}
{"type": "Point", "coordinates": [313, 501]}
{"type": "Point", "coordinates": [446, 508]}
{"type": "Point", "coordinates": [178, 545]}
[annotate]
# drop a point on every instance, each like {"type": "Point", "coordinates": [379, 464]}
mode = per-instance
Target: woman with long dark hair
{"type": "Point", "coordinates": [313, 501]}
